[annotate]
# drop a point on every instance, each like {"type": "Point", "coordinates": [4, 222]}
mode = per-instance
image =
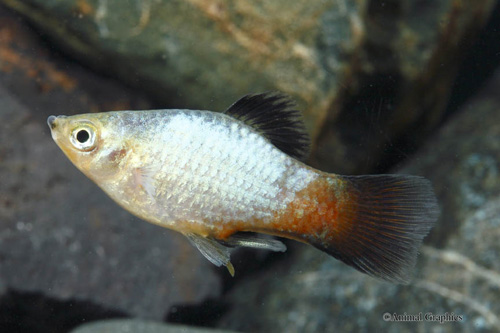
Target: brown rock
{"type": "Point", "coordinates": [340, 59]}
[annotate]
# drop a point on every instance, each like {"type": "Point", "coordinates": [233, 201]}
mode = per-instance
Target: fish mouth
{"type": "Point", "coordinates": [51, 121]}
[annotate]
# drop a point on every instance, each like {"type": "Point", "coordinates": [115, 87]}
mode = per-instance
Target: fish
{"type": "Point", "coordinates": [228, 179]}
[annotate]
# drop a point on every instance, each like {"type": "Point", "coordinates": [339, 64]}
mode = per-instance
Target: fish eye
{"type": "Point", "coordinates": [83, 138]}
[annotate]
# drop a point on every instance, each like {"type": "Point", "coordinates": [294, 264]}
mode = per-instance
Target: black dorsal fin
{"type": "Point", "coordinates": [275, 116]}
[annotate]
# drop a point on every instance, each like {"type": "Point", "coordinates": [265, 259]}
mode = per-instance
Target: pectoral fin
{"type": "Point", "coordinates": [143, 178]}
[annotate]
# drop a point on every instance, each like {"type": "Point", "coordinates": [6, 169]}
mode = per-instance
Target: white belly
{"type": "Point", "coordinates": [206, 167]}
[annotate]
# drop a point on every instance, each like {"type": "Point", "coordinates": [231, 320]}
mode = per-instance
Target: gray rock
{"type": "Point", "coordinates": [140, 326]}
{"type": "Point", "coordinates": [458, 272]}
{"type": "Point", "coordinates": [59, 234]}
{"type": "Point", "coordinates": [338, 58]}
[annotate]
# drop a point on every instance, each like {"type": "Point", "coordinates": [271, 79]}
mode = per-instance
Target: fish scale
{"type": "Point", "coordinates": [260, 178]}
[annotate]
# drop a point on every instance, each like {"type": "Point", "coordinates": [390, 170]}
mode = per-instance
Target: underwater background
{"type": "Point", "coordinates": [409, 86]}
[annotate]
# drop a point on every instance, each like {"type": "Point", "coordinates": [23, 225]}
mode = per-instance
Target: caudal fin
{"type": "Point", "coordinates": [381, 226]}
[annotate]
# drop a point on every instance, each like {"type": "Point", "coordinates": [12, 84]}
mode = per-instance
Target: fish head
{"type": "Point", "coordinates": [91, 142]}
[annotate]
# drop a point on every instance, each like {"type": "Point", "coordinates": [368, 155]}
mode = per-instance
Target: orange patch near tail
{"type": "Point", "coordinates": [373, 223]}
{"type": "Point", "coordinates": [314, 212]}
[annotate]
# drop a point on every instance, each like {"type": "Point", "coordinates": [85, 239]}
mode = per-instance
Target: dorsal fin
{"type": "Point", "coordinates": [275, 116]}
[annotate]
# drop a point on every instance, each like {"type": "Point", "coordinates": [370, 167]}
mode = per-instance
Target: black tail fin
{"type": "Point", "coordinates": [381, 227]}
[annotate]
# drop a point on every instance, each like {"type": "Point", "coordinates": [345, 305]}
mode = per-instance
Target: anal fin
{"type": "Point", "coordinates": [218, 252]}
{"type": "Point", "coordinates": [254, 241]}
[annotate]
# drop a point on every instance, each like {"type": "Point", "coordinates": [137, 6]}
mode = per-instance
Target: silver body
{"type": "Point", "coordinates": [199, 167]}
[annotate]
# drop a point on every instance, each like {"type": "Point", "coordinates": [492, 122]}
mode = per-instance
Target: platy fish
{"type": "Point", "coordinates": [223, 178]}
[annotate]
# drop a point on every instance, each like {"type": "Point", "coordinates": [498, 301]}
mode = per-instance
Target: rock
{"type": "Point", "coordinates": [457, 284]}
{"type": "Point", "coordinates": [60, 235]}
{"type": "Point", "coordinates": [46, 83]}
{"type": "Point", "coordinates": [35, 312]}
{"type": "Point", "coordinates": [140, 326]}
{"type": "Point", "coordinates": [338, 58]}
